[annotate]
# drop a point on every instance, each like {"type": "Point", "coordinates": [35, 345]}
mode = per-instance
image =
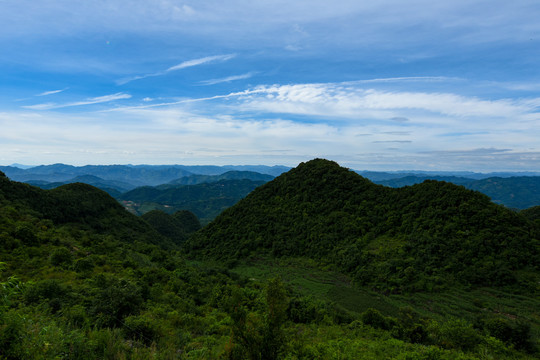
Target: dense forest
{"type": "Point", "coordinates": [520, 192]}
{"type": "Point", "coordinates": [318, 263]}
{"type": "Point", "coordinates": [415, 238]}
{"type": "Point", "coordinates": [205, 200]}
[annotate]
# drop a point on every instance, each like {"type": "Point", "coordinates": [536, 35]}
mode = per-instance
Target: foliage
{"type": "Point", "coordinates": [205, 200]}
{"type": "Point", "coordinates": [82, 279]}
{"type": "Point", "coordinates": [417, 238]}
{"type": "Point", "coordinates": [519, 192]}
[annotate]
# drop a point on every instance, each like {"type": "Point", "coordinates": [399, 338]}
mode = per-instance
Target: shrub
{"type": "Point", "coordinates": [61, 257]}
{"type": "Point", "coordinates": [140, 328]}
{"type": "Point", "coordinates": [456, 334]}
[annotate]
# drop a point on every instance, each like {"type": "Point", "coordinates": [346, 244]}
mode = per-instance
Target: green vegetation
{"type": "Point", "coordinates": [205, 200]}
{"type": "Point", "coordinates": [81, 278]}
{"type": "Point", "coordinates": [425, 237]}
{"type": "Point", "coordinates": [176, 227]}
{"type": "Point", "coordinates": [229, 175]}
{"type": "Point", "coordinates": [519, 192]}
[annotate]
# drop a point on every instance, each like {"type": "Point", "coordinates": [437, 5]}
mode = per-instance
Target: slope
{"type": "Point", "coordinates": [421, 237]}
{"type": "Point", "coordinates": [81, 205]}
{"type": "Point", "coordinates": [229, 175]}
{"type": "Point", "coordinates": [72, 288]}
{"type": "Point", "coordinates": [519, 192]}
{"type": "Point", "coordinates": [205, 200]}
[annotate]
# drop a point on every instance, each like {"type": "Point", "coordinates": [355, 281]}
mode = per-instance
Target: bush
{"type": "Point", "coordinates": [374, 318]}
{"type": "Point", "coordinates": [116, 300]}
{"type": "Point", "coordinates": [61, 257]}
{"type": "Point", "coordinates": [511, 333]}
{"type": "Point", "coordinates": [83, 265]}
{"type": "Point", "coordinates": [456, 334]}
{"type": "Point", "coordinates": [140, 328]}
{"type": "Point", "coordinates": [11, 337]}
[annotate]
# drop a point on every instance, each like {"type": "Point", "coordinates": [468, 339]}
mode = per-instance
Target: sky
{"type": "Point", "coordinates": [373, 85]}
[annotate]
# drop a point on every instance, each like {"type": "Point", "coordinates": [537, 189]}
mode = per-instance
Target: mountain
{"type": "Point", "coordinates": [377, 176]}
{"type": "Point", "coordinates": [417, 179]}
{"type": "Point", "coordinates": [113, 188]}
{"type": "Point", "coordinates": [229, 175]}
{"type": "Point", "coordinates": [205, 200]}
{"type": "Point", "coordinates": [176, 227]}
{"type": "Point", "coordinates": [411, 238]}
{"type": "Point", "coordinates": [83, 205]}
{"type": "Point", "coordinates": [275, 170]}
{"type": "Point", "coordinates": [80, 278]}
{"type": "Point", "coordinates": [134, 175]}
{"type": "Point", "coordinates": [518, 192]}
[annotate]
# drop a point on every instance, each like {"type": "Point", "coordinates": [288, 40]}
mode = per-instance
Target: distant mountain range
{"type": "Point", "coordinates": [129, 184]}
{"type": "Point", "coordinates": [518, 192]}
{"type": "Point", "coordinates": [229, 175]}
{"type": "Point", "coordinates": [131, 176]}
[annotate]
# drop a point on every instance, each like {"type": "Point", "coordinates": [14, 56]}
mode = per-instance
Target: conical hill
{"type": "Point", "coordinates": [415, 237]}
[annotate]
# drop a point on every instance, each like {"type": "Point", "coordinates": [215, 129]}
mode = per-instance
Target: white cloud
{"type": "Point", "coordinates": [228, 79]}
{"type": "Point", "coordinates": [90, 101]}
{"type": "Point", "coordinates": [347, 101]}
{"type": "Point", "coordinates": [182, 65]}
{"type": "Point", "coordinates": [52, 92]}
{"type": "Point", "coordinates": [201, 61]}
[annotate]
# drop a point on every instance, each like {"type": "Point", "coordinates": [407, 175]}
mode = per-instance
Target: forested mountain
{"type": "Point", "coordinates": [519, 192]}
{"type": "Point", "coordinates": [112, 187]}
{"type": "Point", "coordinates": [415, 238]}
{"type": "Point", "coordinates": [80, 278]}
{"type": "Point", "coordinates": [176, 227]}
{"type": "Point", "coordinates": [229, 175]}
{"type": "Point", "coordinates": [206, 200]}
{"type": "Point", "coordinates": [83, 205]}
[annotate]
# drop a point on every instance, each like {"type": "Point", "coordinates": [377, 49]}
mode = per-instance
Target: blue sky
{"type": "Point", "coordinates": [386, 85]}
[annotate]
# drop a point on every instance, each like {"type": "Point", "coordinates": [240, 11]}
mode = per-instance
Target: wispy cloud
{"type": "Point", "coordinates": [408, 79]}
{"type": "Point", "coordinates": [182, 65]}
{"type": "Point", "coordinates": [52, 92]}
{"type": "Point", "coordinates": [201, 61]}
{"type": "Point", "coordinates": [228, 79]}
{"type": "Point", "coordinates": [347, 101]}
{"type": "Point", "coordinates": [89, 101]}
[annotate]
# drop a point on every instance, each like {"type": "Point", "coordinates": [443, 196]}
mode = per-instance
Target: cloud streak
{"type": "Point", "coordinates": [182, 65]}
{"type": "Point", "coordinates": [52, 92]}
{"type": "Point", "coordinates": [201, 61]}
{"type": "Point", "coordinates": [228, 79]}
{"type": "Point", "coordinates": [90, 101]}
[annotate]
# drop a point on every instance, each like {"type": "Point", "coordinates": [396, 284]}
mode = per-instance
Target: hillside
{"type": "Point", "coordinates": [82, 279]}
{"type": "Point", "coordinates": [81, 205]}
{"type": "Point", "coordinates": [229, 175]}
{"type": "Point", "coordinates": [206, 200]}
{"type": "Point", "coordinates": [518, 192]}
{"type": "Point", "coordinates": [419, 237]}
{"type": "Point", "coordinates": [176, 227]}
{"type": "Point", "coordinates": [112, 187]}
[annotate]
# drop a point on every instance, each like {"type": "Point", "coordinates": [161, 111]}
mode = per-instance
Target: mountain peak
{"type": "Point", "coordinates": [326, 212]}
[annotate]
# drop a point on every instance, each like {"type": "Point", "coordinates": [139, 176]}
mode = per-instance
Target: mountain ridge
{"type": "Point", "coordinates": [334, 215]}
